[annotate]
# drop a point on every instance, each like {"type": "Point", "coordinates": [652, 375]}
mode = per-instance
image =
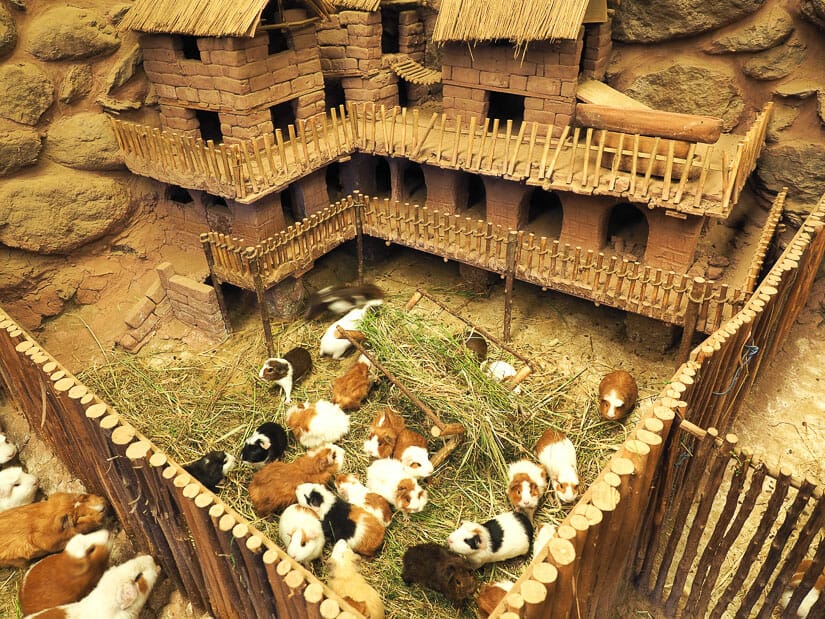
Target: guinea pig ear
{"type": "Point", "coordinates": [265, 443]}
{"type": "Point", "coordinates": [127, 594]}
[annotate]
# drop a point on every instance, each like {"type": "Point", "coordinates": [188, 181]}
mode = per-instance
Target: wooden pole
{"type": "Point", "coordinates": [251, 255]}
{"type": "Point", "coordinates": [513, 240]}
{"type": "Point", "coordinates": [696, 296]}
{"type": "Point", "coordinates": [216, 281]}
{"type": "Point", "coordinates": [358, 204]}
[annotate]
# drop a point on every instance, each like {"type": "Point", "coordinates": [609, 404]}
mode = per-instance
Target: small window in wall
{"type": "Point", "coordinates": [334, 94]}
{"type": "Point", "coordinates": [189, 47]}
{"type": "Point", "coordinates": [218, 215]}
{"type": "Point", "coordinates": [544, 213]}
{"type": "Point", "coordinates": [403, 93]}
{"type": "Point", "coordinates": [415, 187]}
{"type": "Point", "coordinates": [476, 198]}
{"type": "Point", "coordinates": [383, 178]}
{"type": "Point", "coordinates": [210, 125]}
{"type": "Point", "coordinates": [271, 13]}
{"type": "Point", "coordinates": [627, 231]}
{"type": "Point", "coordinates": [390, 41]}
{"type": "Point", "coordinates": [283, 115]}
{"type": "Point", "coordinates": [290, 206]}
{"type": "Point", "coordinates": [178, 194]}
{"type": "Point", "coordinates": [506, 106]}
{"type": "Point", "coordinates": [278, 41]}
{"type": "Point", "coordinates": [335, 190]}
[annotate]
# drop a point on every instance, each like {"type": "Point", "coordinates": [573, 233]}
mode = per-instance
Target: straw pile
{"type": "Point", "coordinates": [189, 404]}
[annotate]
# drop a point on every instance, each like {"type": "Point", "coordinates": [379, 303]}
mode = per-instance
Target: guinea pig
{"type": "Point", "coordinates": [68, 576]}
{"type": "Point", "coordinates": [273, 487]}
{"type": "Point", "coordinates": [341, 299]}
{"type": "Point", "coordinates": [120, 594]}
{"type": "Point", "coordinates": [8, 450]}
{"type": "Point", "coordinates": [341, 520]}
{"type": "Point", "coordinates": [32, 531]}
{"type": "Point", "coordinates": [501, 371]}
{"type": "Point", "coordinates": [527, 483]}
{"type": "Point", "coordinates": [350, 390]}
{"type": "Point", "coordinates": [476, 344]}
{"type": "Point", "coordinates": [16, 488]}
{"type": "Point", "coordinates": [490, 595]}
{"type": "Point", "coordinates": [211, 469]}
{"type": "Point", "coordinates": [323, 422]}
{"type": "Point", "coordinates": [351, 489]}
{"type": "Point", "coordinates": [301, 533]}
{"type": "Point", "coordinates": [411, 449]}
{"type": "Point", "coordinates": [287, 370]}
{"type": "Point", "coordinates": [617, 394]}
{"type": "Point", "coordinates": [438, 569]}
{"type": "Point", "coordinates": [558, 457]}
{"type": "Point", "coordinates": [393, 481]}
{"type": "Point", "coordinates": [804, 609]}
{"type": "Point", "coordinates": [334, 346]}
{"type": "Point", "coordinates": [383, 434]}
{"type": "Point", "coordinates": [543, 535]}
{"type": "Point", "coordinates": [266, 444]}
{"type": "Point", "coordinates": [506, 536]}
{"type": "Point", "coordinates": [347, 581]}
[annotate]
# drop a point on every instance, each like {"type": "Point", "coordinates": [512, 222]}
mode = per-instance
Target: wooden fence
{"type": "Point", "coordinates": [608, 535]}
{"type": "Point", "coordinates": [765, 240]}
{"type": "Point", "coordinates": [692, 178]}
{"type": "Point", "coordinates": [219, 560]}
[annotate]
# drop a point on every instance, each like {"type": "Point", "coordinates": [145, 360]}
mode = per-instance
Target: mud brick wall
{"type": "Point", "coordinates": [350, 43]}
{"type": "Point", "coordinates": [381, 87]}
{"type": "Point", "coordinates": [506, 201]}
{"type": "Point", "coordinates": [333, 40]}
{"type": "Point", "coordinates": [235, 77]}
{"type": "Point", "coordinates": [598, 44]}
{"type": "Point", "coordinates": [447, 190]}
{"type": "Point", "coordinates": [546, 77]}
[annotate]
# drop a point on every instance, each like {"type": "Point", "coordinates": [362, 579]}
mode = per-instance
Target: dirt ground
{"type": "Point", "coordinates": [787, 401]}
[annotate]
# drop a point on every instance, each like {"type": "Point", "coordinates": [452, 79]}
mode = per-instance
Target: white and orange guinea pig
{"type": "Point", "coordinates": [527, 483]}
{"type": "Point", "coordinates": [558, 457]}
{"type": "Point", "coordinates": [393, 481]}
{"type": "Point", "coordinates": [383, 433]}
{"type": "Point", "coordinates": [301, 533]}
{"type": "Point", "coordinates": [322, 422]}
{"type": "Point", "coordinates": [617, 394]}
{"type": "Point", "coordinates": [351, 489]}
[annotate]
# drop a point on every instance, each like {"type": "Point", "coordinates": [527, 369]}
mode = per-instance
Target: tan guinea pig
{"type": "Point", "coordinates": [617, 395]}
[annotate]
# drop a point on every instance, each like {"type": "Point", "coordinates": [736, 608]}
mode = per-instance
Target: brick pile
{"type": "Point", "coordinates": [192, 302]}
{"type": "Point", "coordinates": [598, 44]}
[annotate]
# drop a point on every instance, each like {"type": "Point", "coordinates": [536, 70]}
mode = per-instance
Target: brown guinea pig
{"type": "Point", "coordinates": [439, 569]}
{"type": "Point", "coordinates": [476, 344]}
{"type": "Point", "coordinates": [489, 596]}
{"type": "Point", "coordinates": [617, 395]}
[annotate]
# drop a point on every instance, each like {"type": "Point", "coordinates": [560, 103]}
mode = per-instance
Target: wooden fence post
{"type": "Point", "coordinates": [251, 255]}
{"type": "Point", "coordinates": [216, 281]}
{"type": "Point", "coordinates": [359, 234]}
{"type": "Point", "coordinates": [513, 241]}
{"type": "Point", "coordinates": [696, 297]}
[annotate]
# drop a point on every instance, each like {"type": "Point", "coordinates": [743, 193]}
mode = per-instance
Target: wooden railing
{"type": "Point", "coordinates": [692, 178]}
{"type": "Point", "coordinates": [765, 239]}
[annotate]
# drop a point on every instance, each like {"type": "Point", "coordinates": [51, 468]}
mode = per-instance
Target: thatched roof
{"type": "Point", "coordinates": [204, 18]}
{"type": "Point", "coordinates": [520, 21]}
{"type": "Point", "coordinates": [356, 5]}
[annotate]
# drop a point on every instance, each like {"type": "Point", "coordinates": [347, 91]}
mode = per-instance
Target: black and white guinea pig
{"type": "Point", "coordinates": [211, 468]}
{"type": "Point", "coordinates": [287, 370]}
{"type": "Point", "coordinates": [266, 444]}
{"type": "Point", "coordinates": [341, 299]}
{"type": "Point", "coordinates": [506, 536]}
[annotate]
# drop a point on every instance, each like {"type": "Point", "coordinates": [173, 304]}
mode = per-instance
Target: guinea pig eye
{"type": "Point", "coordinates": [138, 577]}
{"type": "Point", "coordinates": [90, 550]}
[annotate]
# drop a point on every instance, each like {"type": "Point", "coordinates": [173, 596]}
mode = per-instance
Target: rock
{"type": "Point", "coordinates": [8, 32]}
{"type": "Point", "coordinates": [778, 62]}
{"type": "Point", "coordinates": [123, 69]}
{"type": "Point", "coordinates": [801, 88]}
{"type": "Point", "coordinates": [59, 211]}
{"type": "Point", "coordinates": [814, 11]}
{"type": "Point", "coordinates": [84, 141]}
{"type": "Point", "coordinates": [764, 32]}
{"type": "Point", "coordinates": [719, 261]}
{"type": "Point", "coordinates": [19, 147]}
{"type": "Point", "coordinates": [19, 4]}
{"type": "Point", "coordinates": [820, 105]}
{"type": "Point", "coordinates": [76, 84]}
{"type": "Point", "coordinates": [110, 104]}
{"type": "Point", "coordinates": [783, 117]}
{"type": "Point", "coordinates": [27, 92]}
{"type": "Point", "coordinates": [797, 164]}
{"type": "Point", "coordinates": [691, 90]}
{"type": "Point", "coordinates": [643, 21]}
{"type": "Point", "coordinates": [713, 273]}
{"type": "Point", "coordinates": [70, 33]}
{"type": "Point", "coordinates": [116, 13]}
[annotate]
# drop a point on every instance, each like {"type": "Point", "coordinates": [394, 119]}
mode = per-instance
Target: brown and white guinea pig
{"type": "Point", "coordinates": [490, 595]}
{"type": "Point", "coordinates": [500, 371]}
{"type": "Point", "coordinates": [8, 450]}
{"type": "Point", "coordinates": [351, 489]}
{"type": "Point", "coordinates": [32, 531]}
{"type": "Point", "coordinates": [287, 370]}
{"type": "Point", "coordinates": [211, 469]}
{"type": "Point", "coordinates": [617, 394]}
{"type": "Point", "coordinates": [351, 389]}
{"type": "Point", "coordinates": [344, 577]}
{"type": "Point", "coordinates": [322, 422]}
{"type": "Point", "coordinates": [476, 344]}
{"type": "Point", "coordinates": [526, 484]}
{"type": "Point", "coordinates": [558, 457]}
{"type": "Point", "coordinates": [393, 481]}
{"type": "Point", "coordinates": [804, 609]}
{"type": "Point", "coordinates": [301, 533]}
{"type": "Point", "coordinates": [16, 488]}
{"type": "Point", "coordinates": [342, 520]}
{"type": "Point", "coordinates": [267, 443]}
{"type": "Point", "coordinates": [68, 576]}
{"type": "Point", "coordinates": [120, 594]}
{"type": "Point", "coordinates": [341, 299]}
{"type": "Point", "coordinates": [273, 487]}
{"type": "Point", "coordinates": [438, 569]}
{"type": "Point", "coordinates": [383, 434]}
{"type": "Point", "coordinates": [411, 449]}
{"type": "Point", "coordinates": [335, 346]}
{"type": "Point", "coordinates": [503, 537]}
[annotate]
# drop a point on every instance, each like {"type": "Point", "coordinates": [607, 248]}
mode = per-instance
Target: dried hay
{"type": "Point", "coordinates": [189, 404]}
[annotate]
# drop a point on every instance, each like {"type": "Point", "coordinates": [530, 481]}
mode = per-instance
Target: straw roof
{"type": "Point", "coordinates": [204, 18]}
{"type": "Point", "coordinates": [357, 5]}
{"type": "Point", "coordinates": [520, 21]}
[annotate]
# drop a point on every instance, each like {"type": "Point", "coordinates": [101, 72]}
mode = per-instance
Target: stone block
{"type": "Point", "coordinates": [466, 76]}
{"type": "Point", "coordinates": [139, 312]}
{"type": "Point", "coordinates": [165, 271]}
{"type": "Point", "coordinates": [156, 292]}
{"type": "Point", "coordinates": [163, 308]}
{"type": "Point", "coordinates": [177, 298]}
{"type": "Point", "coordinates": [544, 85]}
{"type": "Point", "coordinates": [496, 80]}
{"type": "Point", "coordinates": [145, 329]}
{"type": "Point", "coordinates": [209, 97]}
{"type": "Point", "coordinates": [337, 36]}
{"type": "Point", "coordinates": [197, 291]}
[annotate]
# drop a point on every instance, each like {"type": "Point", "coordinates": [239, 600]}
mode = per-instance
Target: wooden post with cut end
{"type": "Point", "coordinates": [216, 281]}
{"type": "Point", "coordinates": [251, 255]}
{"type": "Point", "coordinates": [513, 240]}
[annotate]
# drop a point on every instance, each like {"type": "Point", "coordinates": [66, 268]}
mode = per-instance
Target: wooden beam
{"type": "Point", "coordinates": [656, 123]}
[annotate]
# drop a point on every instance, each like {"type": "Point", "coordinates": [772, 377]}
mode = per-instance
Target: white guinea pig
{"type": "Point", "coordinates": [16, 488]}
{"type": "Point", "coordinates": [7, 449]}
{"type": "Point", "coordinates": [300, 531]}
